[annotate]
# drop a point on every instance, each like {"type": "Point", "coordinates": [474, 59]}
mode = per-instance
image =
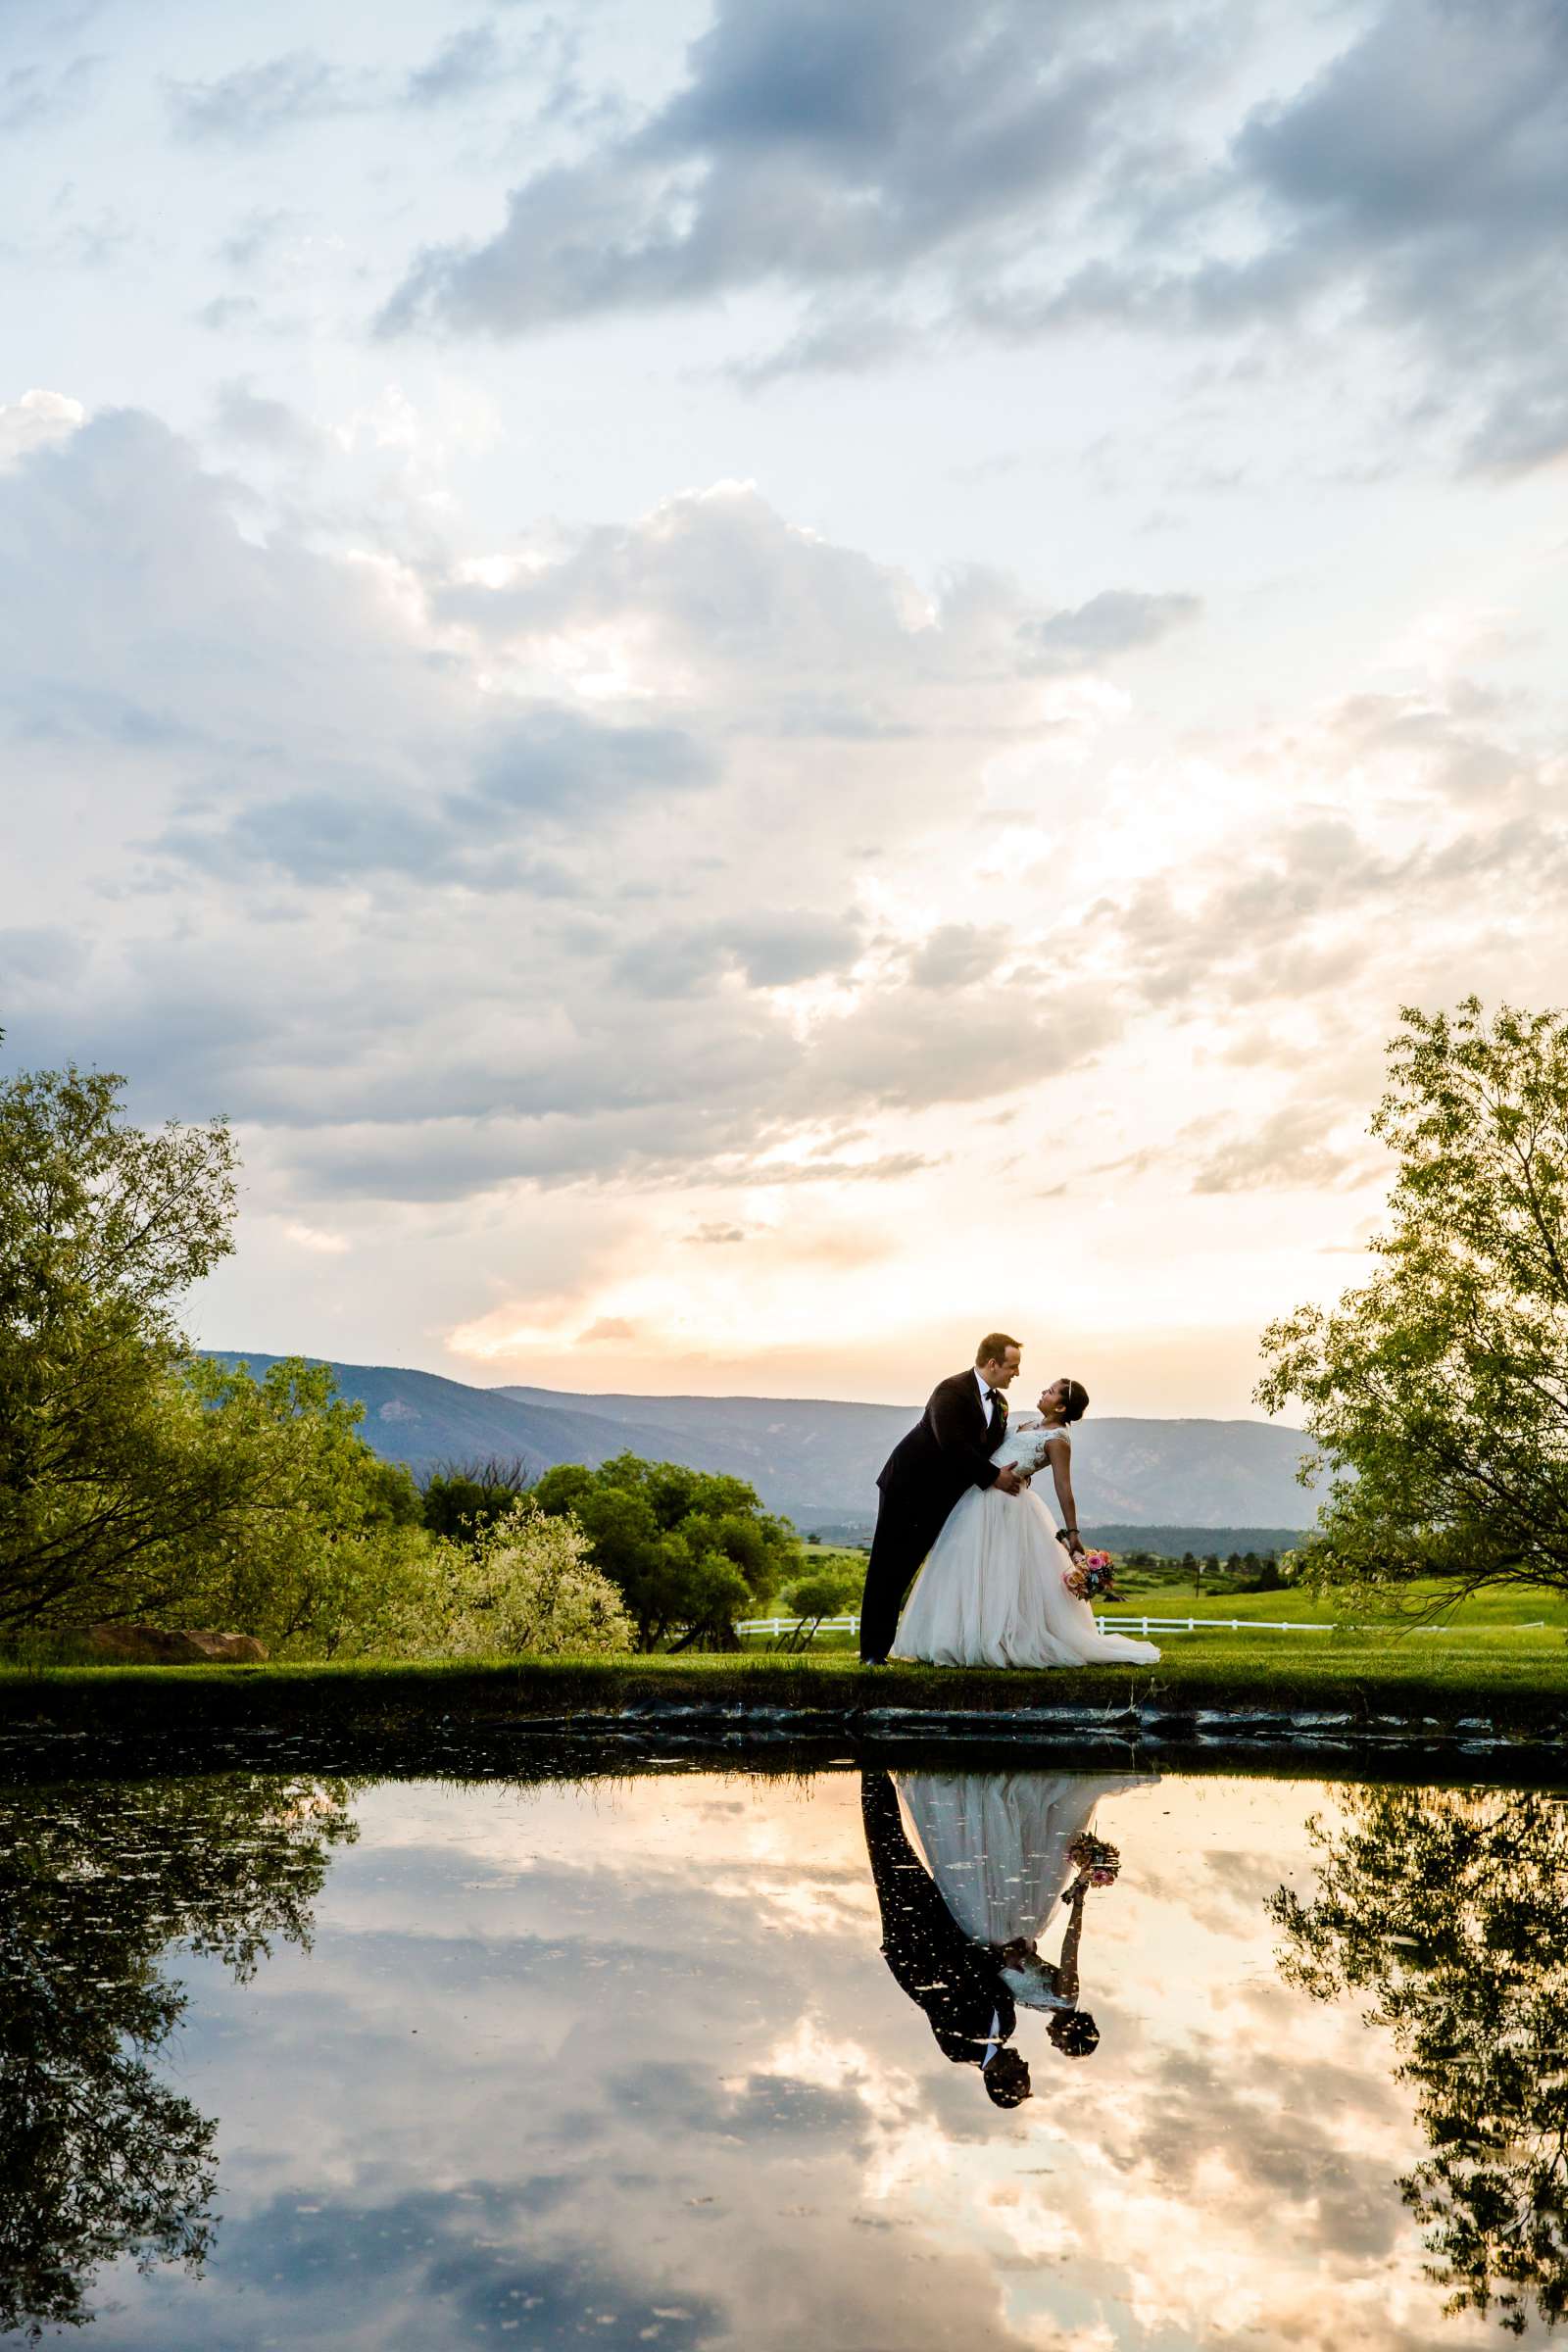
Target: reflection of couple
{"type": "Point", "coordinates": [956, 1493]}
{"type": "Point", "coordinates": [962, 1938]}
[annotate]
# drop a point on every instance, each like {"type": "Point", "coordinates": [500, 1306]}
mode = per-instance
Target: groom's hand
{"type": "Point", "coordinates": [1008, 1481]}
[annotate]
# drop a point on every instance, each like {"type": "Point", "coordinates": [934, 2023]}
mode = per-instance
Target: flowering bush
{"type": "Point", "coordinates": [525, 1586]}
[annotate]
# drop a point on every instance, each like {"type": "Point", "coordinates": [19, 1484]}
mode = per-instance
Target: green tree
{"type": "Point", "coordinates": [1439, 1388]}
{"type": "Point", "coordinates": [98, 2156]}
{"type": "Point", "coordinates": [1447, 1906]}
{"type": "Point", "coordinates": [136, 1479]}
{"type": "Point", "coordinates": [826, 1589]}
{"type": "Point", "coordinates": [524, 1587]}
{"type": "Point", "coordinates": [689, 1551]}
{"type": "Point", "coordinates": [459, 1501]}
{"type": "Point", "coordinates": [103, 1474]}
{"type": "Point", "coordinates": [326, 1553]}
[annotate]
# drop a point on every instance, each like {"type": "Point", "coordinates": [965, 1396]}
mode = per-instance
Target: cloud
{"type": "Point", "coordinates": [253, 104]}
{"type": "Point", "coordinates": [374, 891]}
{"type": "Point", "coordinates": [34, 422]}
{"type": "Point", "coordinates": [1284, 1150]}
{"type": "Point", "coordinates": [808, 144]}
{"type": "Point", "coordinates": [257, 235]}
{"type": "Point", "coordinates": [608, 1327]}
{"type": "Point", "coordinates": [32, 94]}
{"type": "Point", "coordinates": [902, 172]}
{"type": "Point", "coordinates": [468, 60]}
{"type": "Point", "coordinates": [448, 890]}
{"type": "Point", "coordinates": [955, 955]}
{"type": "Point", "coordinates": [770, 952]}
{"type": "Point", "coordinates": [272, 426]}
{"type": "Point", "coordinates": [1119, 620]}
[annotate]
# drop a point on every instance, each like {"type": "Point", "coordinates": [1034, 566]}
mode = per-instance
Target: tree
{"type": "Point", "coordinates": [326, 1553]}
{"type": "Point", "coordinates": [98, 2157]}
{"type": "Point", "coordinates": [462, 1499]}
{"type": "Point", "coordinates": [1447, 1906]}
{"type": "Point", "coordinates": [1439, 1388]}
{"type": "Point", "coordinates": [825, 1589]}
{"type": "Point", "coordinates": [102, 1227]}
{"type": "Point", "coordinates": [689, 1551]}
{"type": "Point", "coordinates": [525, 1586]}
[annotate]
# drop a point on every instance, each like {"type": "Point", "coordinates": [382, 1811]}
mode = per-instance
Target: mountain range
{"type": "Point", "coordinates": [815, 1459]}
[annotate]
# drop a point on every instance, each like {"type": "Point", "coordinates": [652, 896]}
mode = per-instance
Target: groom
{"type": "Point", "coordinates": [946, 1453]}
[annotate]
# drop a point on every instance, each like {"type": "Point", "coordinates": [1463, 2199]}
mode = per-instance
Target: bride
{"type": "Point", "coordinates": [991, 1593]}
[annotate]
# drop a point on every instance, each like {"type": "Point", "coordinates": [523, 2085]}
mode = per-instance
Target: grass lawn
{"type": "Point", "coordinates": [1517, 1679]}
{"type": "Point", "coordinates": [1420, 1601]}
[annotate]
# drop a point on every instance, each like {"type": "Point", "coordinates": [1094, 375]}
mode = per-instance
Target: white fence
{"type": "Point", "coordinates": [775, 1626]}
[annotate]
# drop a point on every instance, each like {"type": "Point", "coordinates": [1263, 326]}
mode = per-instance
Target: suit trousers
{"type": "Point", "coordinates": [907, 1527]}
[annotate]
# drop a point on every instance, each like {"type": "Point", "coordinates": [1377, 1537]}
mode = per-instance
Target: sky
{"type": "Point", "coordinates": [762, 685]}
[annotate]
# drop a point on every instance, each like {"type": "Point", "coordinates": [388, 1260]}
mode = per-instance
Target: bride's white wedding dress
{"type": "Point", "coordinates": [999, 1842]}
{"type": "Point", "coordinates": [991, 1593]}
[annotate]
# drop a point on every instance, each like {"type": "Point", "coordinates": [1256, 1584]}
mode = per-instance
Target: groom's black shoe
{"type": "Point", "coordinates": [873, 1661]}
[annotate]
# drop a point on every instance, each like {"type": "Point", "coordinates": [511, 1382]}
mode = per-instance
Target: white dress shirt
{"type": "Point", "coordinates": [983, 1387]}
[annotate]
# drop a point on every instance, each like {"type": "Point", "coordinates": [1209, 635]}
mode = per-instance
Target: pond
{"type": "Point", "coordinates": [702, 2059]}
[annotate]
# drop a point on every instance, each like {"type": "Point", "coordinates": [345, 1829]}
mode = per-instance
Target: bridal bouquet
{"type": "Point", "coordinates": [1093, 1577]}
{"type": "Point", "coordinates": [1098, 1857]}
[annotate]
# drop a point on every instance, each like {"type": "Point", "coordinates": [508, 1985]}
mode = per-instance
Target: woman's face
{"type": "Point", "coordinates": [1053, 1399]}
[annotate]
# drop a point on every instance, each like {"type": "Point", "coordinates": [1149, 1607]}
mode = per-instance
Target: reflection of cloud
{"type": "Point", "coordinates": [659, 2056]}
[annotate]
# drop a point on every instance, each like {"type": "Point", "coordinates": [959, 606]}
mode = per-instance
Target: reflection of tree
{"type": "Point", "coordinates": [1448, 1907]}
{"type": "Point", "coordinates": [97, 2158]}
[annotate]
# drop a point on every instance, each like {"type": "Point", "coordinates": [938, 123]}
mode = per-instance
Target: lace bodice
{"type": "Point", "coordinates": [1028, 1443]}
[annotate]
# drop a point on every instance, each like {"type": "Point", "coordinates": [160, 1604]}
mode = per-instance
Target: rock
{"type": "Point", "coordinates": [156, 1645]}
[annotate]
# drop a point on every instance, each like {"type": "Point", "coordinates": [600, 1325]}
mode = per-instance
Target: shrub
{"type": "Point", "coordinates": [525, 1586]}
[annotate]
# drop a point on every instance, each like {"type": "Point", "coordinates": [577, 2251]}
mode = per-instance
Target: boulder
{"type": "Point", "coordinates": [156, 1645]}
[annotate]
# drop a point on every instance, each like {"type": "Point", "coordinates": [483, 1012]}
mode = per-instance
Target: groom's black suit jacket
{"type": "Point", "coordinates": [947, 1451]}
{"type": "Point", "coordinates": [956, 1980]}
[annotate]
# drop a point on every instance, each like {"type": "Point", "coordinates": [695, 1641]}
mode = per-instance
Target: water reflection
{"type": "Point", "coordinates": [99, 2157]}
{"type": "Point", "coordinates": [1451, 1908]}
{"type": "Point", "coordinates": [706, 2061]}
{"type": "Point", "coordinates": [963, 1939]}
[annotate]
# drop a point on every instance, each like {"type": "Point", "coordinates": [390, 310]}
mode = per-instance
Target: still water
{"type": "Point", "coordinates": [700, 2060]}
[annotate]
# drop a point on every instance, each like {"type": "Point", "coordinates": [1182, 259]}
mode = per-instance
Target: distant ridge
{"type": "Point", "coordinates": [816, 1459]}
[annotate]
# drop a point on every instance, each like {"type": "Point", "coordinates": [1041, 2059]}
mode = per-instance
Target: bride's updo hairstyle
{"type": "Point", "coordinates": [1075, 1404]}
{"type": "Point", "coordinates": [1074, 2034]}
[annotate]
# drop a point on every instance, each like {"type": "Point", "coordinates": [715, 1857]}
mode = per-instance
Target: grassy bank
{"type": "Point", "coordinates": [1517, 1679]}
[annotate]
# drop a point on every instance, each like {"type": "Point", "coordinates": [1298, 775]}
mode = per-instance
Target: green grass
{"type": "Point", "coordinates": [1517, 1679]}
{"type": "Point", "coordinates": [1506, 1608]}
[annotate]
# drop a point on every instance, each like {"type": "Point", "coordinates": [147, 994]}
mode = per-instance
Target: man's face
{"type": "Point", "coordinates": [1001, 1375]}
